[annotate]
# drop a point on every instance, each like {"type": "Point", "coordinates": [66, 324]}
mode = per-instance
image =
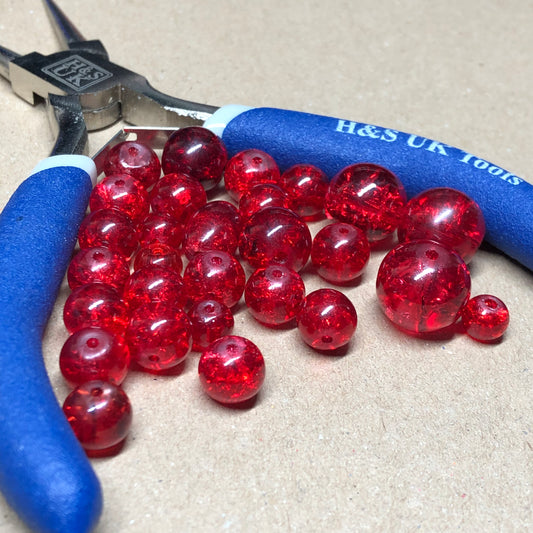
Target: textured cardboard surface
{"type": "Point", "coordinates": [398, 434]}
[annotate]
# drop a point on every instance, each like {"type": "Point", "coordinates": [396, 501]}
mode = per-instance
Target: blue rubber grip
{"type": "Point", "coordinates": [331, 144]}
{"type": "Point", "coordinates": [44, 473]}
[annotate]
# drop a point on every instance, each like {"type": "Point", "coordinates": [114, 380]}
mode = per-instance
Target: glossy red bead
{"type": "Point", "coordinates": [306, 186]}
{"type": "Point", "coordinates": [95, 305]}
{"type": "Point", "coordinates": [447, 216]}
{"type": "Point", "coordinates": [327, 320]}
{"type": "Point", "coordinates": [422, 286]}
{"type": "Point", "coordinates": [98, 264]}
{"type": "Point", "coordinates": [122, 192]}
{"type": "Point", "coordinates": [197, 152]}
{"type": "Point", "coordinates": [249, 168]}
{"type": "Point", "coordinates": [231, 369]}
{"type": "Point", "coordinates": [210, 320]}
{"type": "Point", "coordinates": [275, 235]}
{"type": "Point", "coordinates": [94, 353]}
{"type": "Point", "coordinates": [485, 318]}
{"type": "Point", "coordinates": [157, 254]}
{"type": "Point", "coordinates": [340, 252]}
{"type": "Point", "coordinates": [368, 196]}
{"type": "Point", "coordinates": [214, 274]}
{"type": "Point", "coordinates": [100, 415]}
{"type": "Point", "coordinates": [157, 228]}
{"type": "Point", "coordinates": [274, 295]}
{"type": "Point", "coordinates": [261, 196]}
{"type": "Point", "coordinates": [158, 336]}
{"type": "Point", "coordinates": [136, 159]}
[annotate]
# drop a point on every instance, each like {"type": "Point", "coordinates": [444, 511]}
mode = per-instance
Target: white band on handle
{"type": "Point", "coordinates": [79, 161]}
{"type": "Point", "coordinates": [223, 116]}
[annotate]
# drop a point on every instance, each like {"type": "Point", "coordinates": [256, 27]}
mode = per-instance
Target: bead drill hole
{"type": "Point", "coordinates": [98, 391]}
{"type": "Point", "coordinates": [154, 358]}
{"type": "Point", "coordinates": [209, 308]}
{"type": "Point", "coordinates": [277, 274]}
{"type": "Point", "coordinates": [432, 254]}
{"type": "Point", "coordinates": [343, 231]}
{"type": "Point", "coordinates": [98, 256]}
{"type": "Point", "coordinates": [326, 339]}
{"type": "Point", "coordinates": [120, 183]}
{"type": "Point", "coordinates": [490, 303]}
{"type": "Point", "coordinates": [133, 151]}
{"type": "Point", "coordinates": [257, 160]}
{"type": "Point", "coordinates": [216, 260]}
{"type": "Point", "coordinates": [92, 342]}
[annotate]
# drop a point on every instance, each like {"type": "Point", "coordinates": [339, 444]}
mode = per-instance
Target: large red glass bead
{"type": "Point", "coordinates": [94, 353]}
{"type": "Point", "coordinates": [485, 318]}
{"type": "Point", "coordinates": [214, 274]}
{"type": "Point", "coordinates": [95, 305]}
{"type": "Point", "coordinates": [162, 229]}
{"type": "Point", "coordinates": [122, 192]}
{"type": "Point", "coordinates": [340, 252]}
{"type": "Point", "coordinates": [210, 320]}
{"type": "Point", "coordinates": [422, 286]}
{"type": "Point", "coordinates": [327, 320]}
{"type": "Point", "coordinates": [231, 369]}
{"type": "Point", "coordinates": [100, 415]}
{"type": "Point", "coordinates": [274, 295]}
{"type": "Point", "coordinates": [158, 336]}
{"type": "Point", "coordinates": [136, 159]}
{"type": "Point", "coordinates": [249, 168]}
{"type": "Point", "coordinates": [158, 255]}
{"type": "Point", "coordinates": [261, 196]}
{"type": "Point", "coordinates": [197, 152]}
{"type": "Point", "coordinates": [368, 196]}
{"type": "Point", "coordinates": [447, 216]}
{"type": "Point", "coordinates": [275, 235]}
{"type": "Point", "coordinates": [177, 195]}
{"type": "Point", "coordinates": [306, 186]}
{"type": "Point", "coordinates": [98, 264]}
{"type": "Point", "coordinates": [110, 228]}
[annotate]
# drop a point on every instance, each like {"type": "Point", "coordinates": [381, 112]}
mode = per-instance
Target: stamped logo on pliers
{"type": "Point", "coordinates": [76, 72]}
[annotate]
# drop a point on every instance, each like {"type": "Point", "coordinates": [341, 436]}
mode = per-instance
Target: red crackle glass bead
{"type": "Point", "coordinates": [157, 228]}
{"type": "Point", "coordinates": [422, 286]}
{"type": "Point", "coordinates": [159, 336]}
{"type": "Point", "coordinates": [177, 195]}
{"type": "Point", "coordinates": [261, 196]}
{"type": "Point", "coordinates": [100, 415]}
{"type": "Point", "coordinates": [248, 168]}
{"type": "Point", "coordinates": [94, 353]}
{"type": "Point", "coordinates": [215, 226]}
{"type": "Point", "coordinates": [122, 192]}
{"type": "Point", "coordinates": [447, 216]}
{"type": "Point", "coordinates": [274, 295]}
{"type": "Point", "coordinates": [306, 186]}
{"type": "Point", "coordinates": [95, 305]}
{"type": "Point", "coordinates": [197, 152]}
{"type": "Point", "coordinates": [110, 228]}
{"type": "Point", "coordinates": [210, 320]}
{"type": "Point", "coordinates": [157, 254]}
{"type": "Point", "coordinates": [136, 159]}
{"type": "Point", "coordinates": [275, 235]}
{"type": "Point", "coordinates": [214, 274]}
{"type": "Point", "coordinates": [231, 369]}
{"type": "Point", "coordinates": [368, 196]}
{"type": "Point", "coordinates": [485, 318]}
{"type": "Point", "coordinates": [98, 264]}
{"type": "Point", "coordinates": [328, 319]}
{"type": "Point", "coordinates": [340, 252]}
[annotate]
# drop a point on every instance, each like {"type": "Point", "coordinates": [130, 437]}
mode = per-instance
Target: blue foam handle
{"type": "Point", "coordinates": [44, 473]}
{"type": "Point", "coordinates": [331, 144]}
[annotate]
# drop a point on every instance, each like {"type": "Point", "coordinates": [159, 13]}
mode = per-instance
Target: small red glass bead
{"type": "Point", "coordinates": [95, 305]}
{"type": "Point", "coordinates": [447, 216]}
{"type": "Point", "coordinates": [214, 274]}
{"type": "Point", "coordinates": [249, 168]}
{"type": "Point", "coordinates": [274, 295]}
{"type": "Point", "coordinates": [154, 283]}
{"type": "Point", "coordinates": [261, 196]}
{"type": "Point", "coordinates": [100, 415]}
{"type": "Point", "coordinates": [231, 369]}
{"type": "Point", "coordinates": [122, 192]}
{"type": "Point", "coordinates": [136, 159]}
{"type": "Point", "coordinates": [158, 336]}
{"type": "Point", "coordinates": [94, 353]}
{"type": "Point", "coordinates": [368, 196]}
{"type": "Point", "coordinates": [197, 152]}
{"type": "Point", "coordinates": [98, 264]}
{"type": "Point", "coordinates": [210, 320]}
{"type": "Point", "coordinates": [177, 195]}
{"type": "Point", "coordinates": [110, 228]}
{"type": "Point", "coordinates": [157, 228]}
{"type": "Point", "coordinates": [158, 255]}
{"type": "Point", "coordinates": [340, 252]}
{"type": "Point", "coordinates": [485, 318]}
{"type": "Point", "coordinates": [327, 320]}
{"type": "Point", "coordinates": [422, 286]}
{"type": "Point", "coordinates": [306, 186]}
{"type": "Point", "coordinates": [275, 235]}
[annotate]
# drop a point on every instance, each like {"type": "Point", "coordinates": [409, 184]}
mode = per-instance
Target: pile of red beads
{"type": "Point", "coordinates": [160, 268]}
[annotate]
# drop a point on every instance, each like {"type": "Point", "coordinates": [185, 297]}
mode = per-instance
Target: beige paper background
{"type": "Point", "coordinates": [400, 434]}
